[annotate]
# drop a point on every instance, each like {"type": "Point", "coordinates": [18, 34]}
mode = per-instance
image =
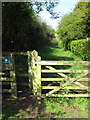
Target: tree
{"type": "Point", "coordinates": [75, 25]}
{"type": "Point", "coordinates": [22, 30]}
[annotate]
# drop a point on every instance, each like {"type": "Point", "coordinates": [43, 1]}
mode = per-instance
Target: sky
{"type": "Point", "coordinates": [64, 7]}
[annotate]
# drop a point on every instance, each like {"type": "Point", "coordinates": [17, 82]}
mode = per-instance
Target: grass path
{"type": "Point", "coordinates": [57, 53]}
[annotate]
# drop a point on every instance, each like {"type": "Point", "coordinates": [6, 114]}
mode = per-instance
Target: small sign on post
{"type": "Point", "coordinates": [6, 60]}
{"type": "Point", "coordinates": [7, 63]}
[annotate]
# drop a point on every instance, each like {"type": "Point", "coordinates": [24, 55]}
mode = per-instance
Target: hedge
{"type": "Point", "coordinates": [81, 48]}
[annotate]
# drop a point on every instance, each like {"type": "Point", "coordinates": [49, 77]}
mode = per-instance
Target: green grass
{"type": "Point", "coordinates": [57, 53]}
{"type": "Point", "coordinates": [67, 107]}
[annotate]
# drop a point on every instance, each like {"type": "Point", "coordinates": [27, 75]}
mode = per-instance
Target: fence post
{"type": "Point", "coordinates": [13, 77]}
{"type": "Point", "coordinates": [29, 70]}
{"type": "Point", "coordinates": [36, 73]}
{"type": "Point", "coordinates": [39, 76]}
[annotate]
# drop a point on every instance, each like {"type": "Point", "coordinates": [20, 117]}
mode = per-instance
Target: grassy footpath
{"type": "Point", "coordinates": [64, 107]}
{"type": "Point", "coordinates": [59, 54]}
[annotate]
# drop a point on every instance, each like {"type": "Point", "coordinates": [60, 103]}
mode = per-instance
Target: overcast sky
{"type": "Point", "coordinates": [64, 6]}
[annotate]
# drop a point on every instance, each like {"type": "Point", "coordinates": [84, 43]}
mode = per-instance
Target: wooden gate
{"type": "Point", "coordinates": [67, 82]}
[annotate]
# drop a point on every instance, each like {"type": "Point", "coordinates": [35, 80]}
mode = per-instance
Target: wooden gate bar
{"type": "Point", "coordinates": [64, 79]}
{"type": "Point", "coordinates": [63, 62]}
{"type": "Point", "coordinates": [66, 87]}
{"type": "Point", "coordinates": [61, 74]}
{"type": "Point", "coordinates": [79, 84]}
{"type": "Point", "coordinates": [68, 95]}
{"type": "Point", "coordinates": [65, 71]}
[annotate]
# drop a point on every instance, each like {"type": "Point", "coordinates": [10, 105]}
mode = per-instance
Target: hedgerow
{"type": "Point", "coordinates": [81, 48]}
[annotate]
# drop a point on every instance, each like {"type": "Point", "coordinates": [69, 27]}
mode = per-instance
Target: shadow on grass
{"type": "Point", "coordinates": [46, 54]}
{"type": "Point", "coordinates": [26, 106]}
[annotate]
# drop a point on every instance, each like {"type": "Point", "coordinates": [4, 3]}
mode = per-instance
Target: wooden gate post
{"type": "Point", "coordinates": [38, 76]}
{"type": "Point", "coordinates": [13, 77]}
{"type": "Point", "coordinates": [36, 73]}
{"type": "Point", "coordinates": [30, 70]}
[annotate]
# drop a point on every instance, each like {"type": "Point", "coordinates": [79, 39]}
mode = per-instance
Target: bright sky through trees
{"type": "Point", "coordinates": [64, 7]}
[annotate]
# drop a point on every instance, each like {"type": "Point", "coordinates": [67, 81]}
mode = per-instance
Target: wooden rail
{"type": "Point", "coordinates": [63, 62]}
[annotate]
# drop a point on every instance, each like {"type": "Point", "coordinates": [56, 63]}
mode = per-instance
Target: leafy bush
{"type": "Point", "coordinates": [75, 25]}
{"type": "Point", "coordinates": [81, 48]}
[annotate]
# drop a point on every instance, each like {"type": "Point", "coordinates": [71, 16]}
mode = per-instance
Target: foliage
{"type": "Point", "coordinates": [55, 41]}
{"type": "Point", "coordinates": [22, 30]}
{"type": "Point", "coordinates": [75, 25]}
{"type": "Point", "coordinates": [82, 48]}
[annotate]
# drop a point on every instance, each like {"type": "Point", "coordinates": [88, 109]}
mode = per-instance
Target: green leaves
{"type": "Point", "coordinates": [81, 47]}
{"type": "Point", "coordinates": [22, 30]}
{"type": "Point", "coordinates": [75, 25]}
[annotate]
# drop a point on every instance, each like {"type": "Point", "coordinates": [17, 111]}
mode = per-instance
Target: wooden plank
{"type": "Point", "coordinates": [53, 79]}
{"type": "Point", "coordinates": [2, 73]}
{"type": "Point", "coordinates": [67, 87]}
{"type": "Point", "coordinates": [6, 83]}
{"type": "Point", "coordinates": [61, 74]}
{"type": "Point", "coordinates": [3, 78]}
{"type": "Point", "coordinates": [52, 91]}
{"type": "Point", "coordinates": [63, 62]}
{"type": "Point", "coordinates": [65, 71]}
{"type": "Point", "coordinates": [67, 95]}
{"type": "Point", "coordinates": [64, 79]}
{"type": "Point", "coordinates": [73, 87]}
{"type": "Point", "coordinates": [79, 84]}
{"type": "Point", "coordinates": [6, 79]}
{"type": "Point", "coordinates": [83, 79]}
{"type": "Point", "coordinates": [6, 90]}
